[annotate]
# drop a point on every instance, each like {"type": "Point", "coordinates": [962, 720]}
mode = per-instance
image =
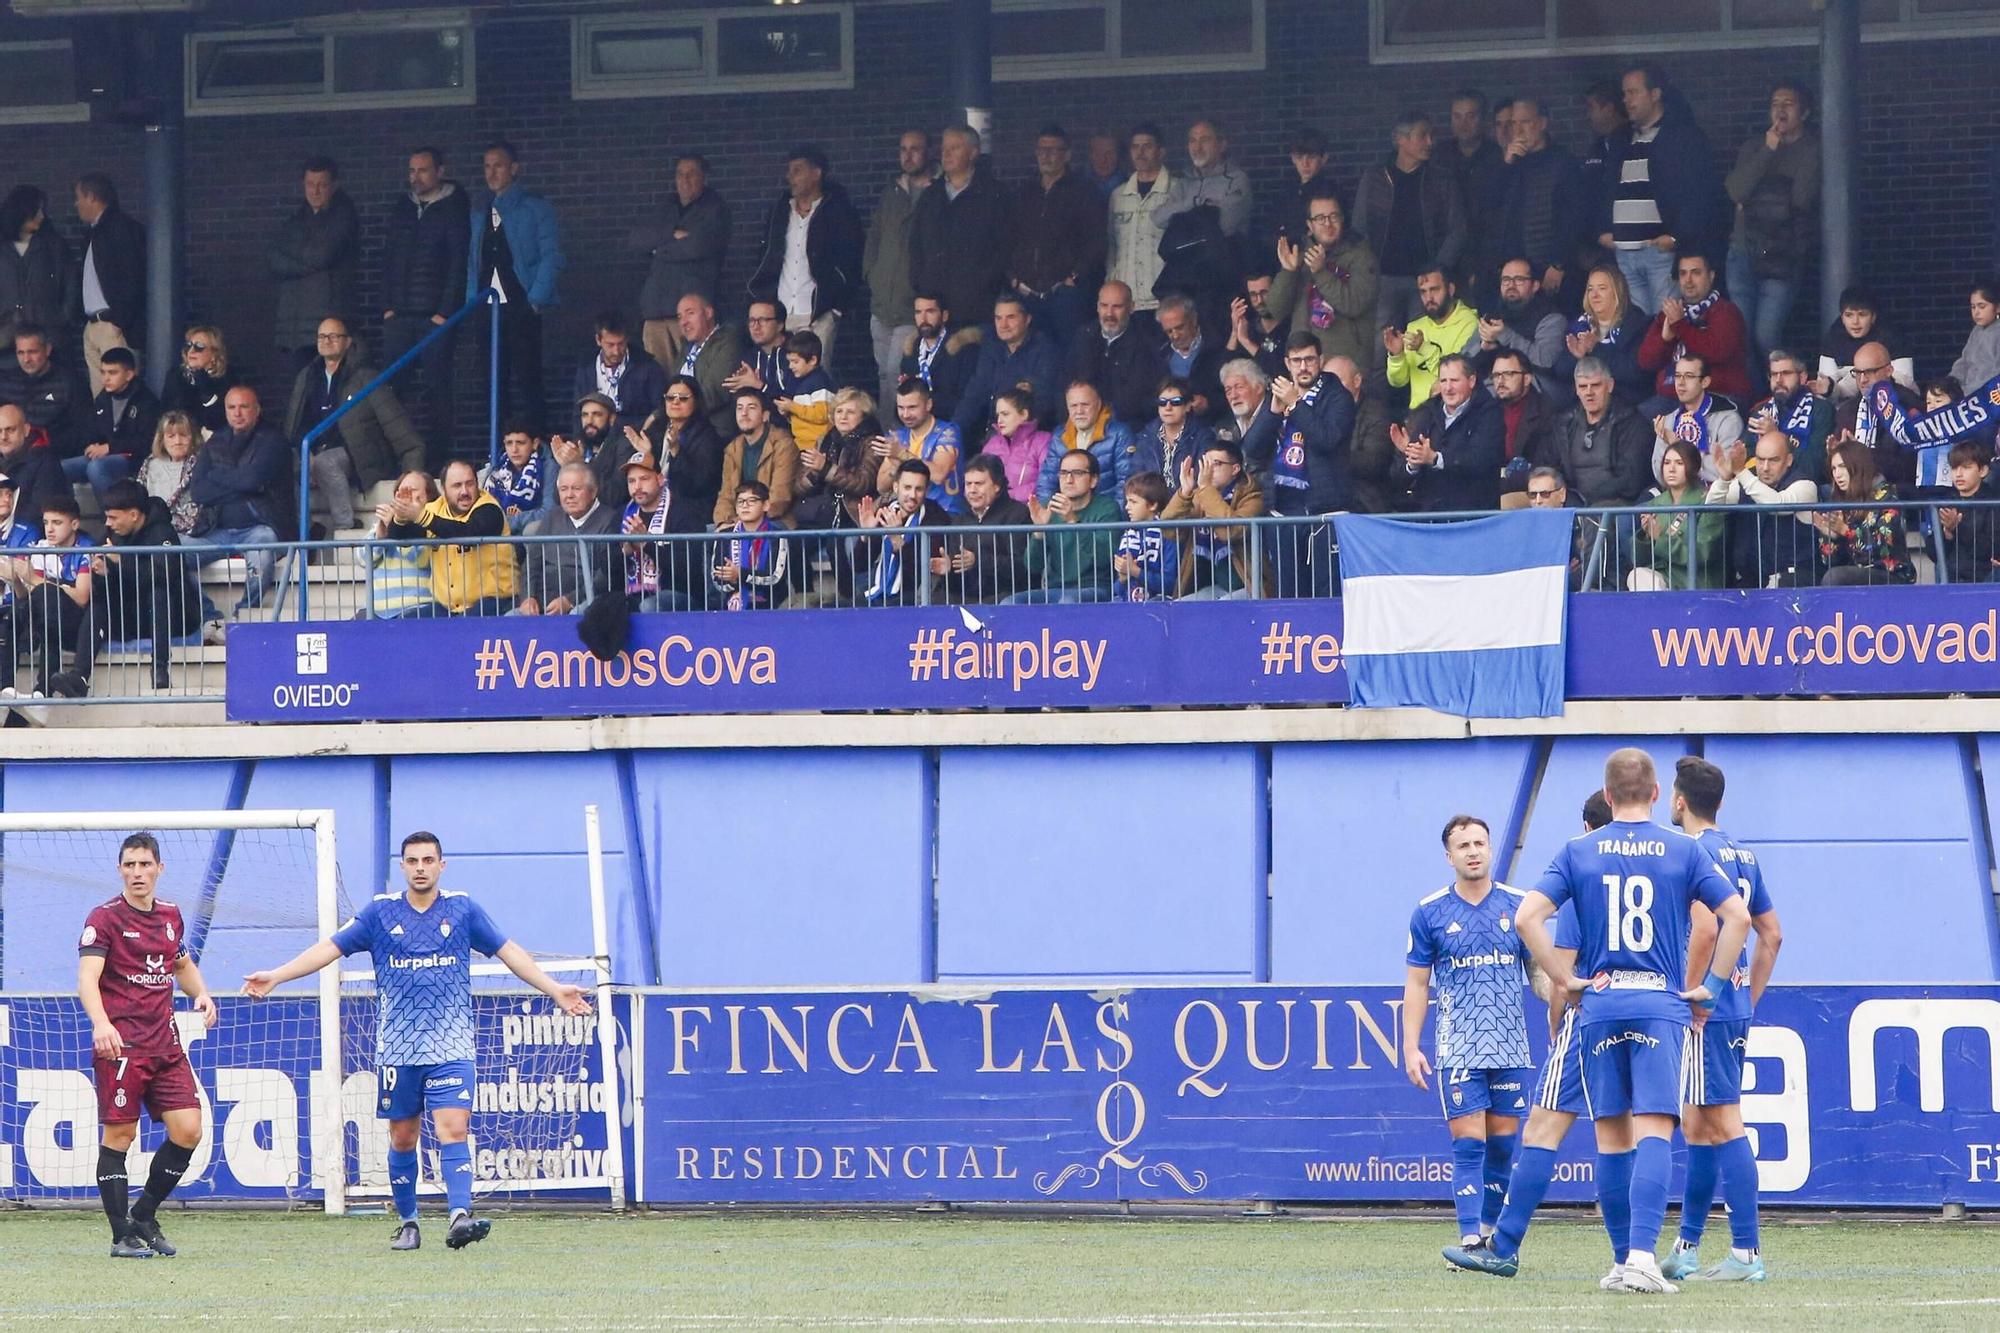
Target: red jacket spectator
{"type": "Point", "coordinates": [1716, 334]}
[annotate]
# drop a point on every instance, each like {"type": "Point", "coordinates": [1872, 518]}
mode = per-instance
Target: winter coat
{"type": "Point", "coordinates": [117, 245]}
{"type": "Point", "coordinates": [1441, 206]}
{"type": "Point", "coordinates": [313, 257]}
{"type": "Point", "coordinates": [1337, 304]}
{"type": "Point", "coordinates": [532, 238]}
{"type": "Point", "coordinates": [683, 264]}
{"type": "Point", "coordinates": [1133, 227]}
{"type": "Point", "coordinates": [1058, 231]}
{"type": "Point", "coordinates": [1470, 451]}
{"type": "Point", "coordinates": [35, 288]}
{"type": "Point", "coordinates": [381, 443]}
{"type": "Point", "coordinates": [1776, 193]}
{"type": "Point", "coordinates": [885, 257]}
{"type": "Point", "coordinates": [959, 247]}
{"type": "Point", "coordinates": [834, 243]}
{"type": "Point", "coordinates": [423, 253]}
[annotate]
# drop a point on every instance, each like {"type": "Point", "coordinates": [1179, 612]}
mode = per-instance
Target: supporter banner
{"type": "Point", "coordinates": [1933, 639]}
{"type": "Point", "coordinates": [1855, 1096]}
{"type": "Point", "coordinates": [537, 1103]}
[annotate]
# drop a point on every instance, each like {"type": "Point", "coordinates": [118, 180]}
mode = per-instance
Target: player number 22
{"type": "Point", "coordinates": [1631, 912]}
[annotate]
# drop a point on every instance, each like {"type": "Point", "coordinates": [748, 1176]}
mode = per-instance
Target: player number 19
{"type": "Point", "coordinates": [1631, 912]}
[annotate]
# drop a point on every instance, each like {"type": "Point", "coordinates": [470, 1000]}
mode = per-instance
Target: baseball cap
{"type": "Point", "coordinates": [601, 399]}
{"type": "Point", "coordinates": [640, 459]}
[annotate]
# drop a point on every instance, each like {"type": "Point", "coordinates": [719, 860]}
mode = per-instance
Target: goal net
{"type": "Point", "coordinates": [288, 1084]}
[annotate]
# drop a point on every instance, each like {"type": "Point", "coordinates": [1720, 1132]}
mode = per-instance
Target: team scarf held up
{"type": "Point", "coordinates": [1929, 435]}
{"type": "Point", "coordinates": [1697, 315]}
{"type": "Point", "coordinates": [1288, 468]}
{"type": "Point", "coordinates": [1691, 423]}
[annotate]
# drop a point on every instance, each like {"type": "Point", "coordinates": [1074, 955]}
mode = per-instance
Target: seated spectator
{"type": "Point", "coordinates": [1588, 536]}
{"type": "Point", "coordinates": [1603, 449]}
{"type": "Point", "coordinates": [1146, 563]}
{"type": "Point", "coordinates": [169, 468]}
{"type": "Point", "coordinates": [833, 481]}
{"type": "Point", "coordinates": [203, 381]}
{"type": "Point", "coordinates": [761, 451]}
{"type": "Point", "coordinates": [1775, 187]}
{"type": "Point", "coordinates": [14, 536]}
{"type": "Point", "coordinates": [1524, 321]}
{"type": "Point", "coordinates": [120, 430]}
{"type": "Point", "coordinates": [1058, 239]}
{"type": "Point", "coordinates": [399, 576]}
{"type": "Point", "coordinates": [1529, 417]}
{"type": "Point", "coordinates": [1215, 561]}
{"type": "Point", "coordinates": [1775, 550]}
{"type": "Point", "coordinates": [1610, 329]}
{"type": "Point", "coordinates": [985, 567]}
{"type": "Point", "coordinates": [1326, 286]}
{"type": "Point", "coordinates": [1066, 565]}
{"type": "Point", "coordinates": [522, 483]}
{"type": "Point", "coordinates": [679, 435]}
{"type": "Point", "coordinates": [52, 398]}
{"type": "Point", "coordinates": [1176, 436]}
{"type": "Point", "coordinates": [648, 585]}
{"type": "Point", "coordinates": [1090, 430]}
{"type": "Point", "coordinates": [1801, 413]}
{"type": "Point", "coordinates": [1018, 444]}
{"type": "Point", "coordinates": [1860, 417]}
{"type": "Point", "coordinates": [1256, 329]}
{"type": "Point", "coordinates": [1370, 456]}
{"type": "Point", "coordinates": [1979, 362]}
{"type": "Point", "coordinates": [560, 578]}
{"type": "Point", "coordinates": [750, 571]}
{"type": "Point", "coordinates": [763, 367]}
{"type": "Point", "coordinates": [710, 353]}
{"type": "Point", "coordinates": [1018, 355]}
{"type": "Point", "coordinates": [1412, 212]}
{"type": "Point", "coordinates": [145, 596]}
{"type": "Point", "coordinates": [1448, 327]}
{"type": "Point", "coordinates": [1304, 438]}
{"type": "Point", "coordinates": [1188, 356]}
{"type": "Point", "coordinates": [1706, 420]}
{"type": "Point", "coordinates": [1244, 385]}
{"type": "Point", "coordinates": [1121, 357]}
{"type": "Point", "coordinates": [35, 471]}
{"type": "Point", "coordinates": [808, 403]}
{"type": "Point", "coordinates": [633, 383]}
{"type": "Point", "coordinates": [902, 566]}
{"type": "Point", "coordinates": [52, 590]}
{"type": "Point", "coordinates": [939, 355]}
{"type": "Point", "coordinates": [1971, 536]}
{"type": "Point", "coordinates": [1860, 324]}
{"type": "Point", "coordinates": [601, 443]}
{"type": "Point", "coordinates": [1453, 445]}
{"type": "Point", "coordinates": [1666, 540]}
{"type": "Point", "coordinates": [1865, 545]}
{"type": "Point", "coordinates": [476, 577]}
{"type": "Point", "coordinates": [372, 443]}
{"type": "Point", "coordinates": [1699, 321]}
{"type": "Point", "coordinates": [242, 477]}
{"type": "Point", "coordinates": [934, 443]}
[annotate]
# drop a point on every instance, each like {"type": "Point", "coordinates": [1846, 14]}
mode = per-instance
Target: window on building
{"type": "Point", "coordinates": [38, 84]}
{"type": "Point", "coordinates": [332, 64]}
{"type": "Point", "coordinates": [713, 51]}
{"type": "Point", "coordinates": [1051, 39]}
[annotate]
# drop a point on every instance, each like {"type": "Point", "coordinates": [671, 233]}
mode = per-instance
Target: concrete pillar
{"type": "Point", "coordinates": [1839, 130]}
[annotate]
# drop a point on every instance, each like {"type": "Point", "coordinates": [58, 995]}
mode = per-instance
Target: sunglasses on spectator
{"type": "Point", "coordinates": [1175, 401]}
{"type": "Point", "coordinates": [680, 397]}
{"type": "Point", "coordinates": [194, 347]}
{"type": "Point", "coordinates": [1541, 495]}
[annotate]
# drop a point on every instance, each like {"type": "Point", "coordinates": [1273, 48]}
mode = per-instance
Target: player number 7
{"type": "Point", "coordinates": [119, 1077]}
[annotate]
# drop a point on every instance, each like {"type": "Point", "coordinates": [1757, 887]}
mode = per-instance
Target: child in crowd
{"type": "Point", "coordinates": [809, 403]}
{"type": "Point", "coordinates": [522, 482]}
{"type": "Point", "coordinates": [1860, 323]}
{"type": "Point", "coordinates": [51, 584]}
{"type": "Point", "coordinates": [1980, 361]}
{"type": "Point", "coordinates": [1017, 441]}
{"type": "Point", "coordinates": [1147, 565]}
{"type": "Point", "coordinates": [751, 571]}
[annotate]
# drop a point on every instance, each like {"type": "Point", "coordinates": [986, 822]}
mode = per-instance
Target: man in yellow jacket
{"type": "Point", "coordinates": [473, 579]}
{"type": "Point", "coordinates": [1447, 327]}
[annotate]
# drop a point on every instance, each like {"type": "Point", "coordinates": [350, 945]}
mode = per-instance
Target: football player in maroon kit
{"type": "Point", "coordinates": [133, 950]}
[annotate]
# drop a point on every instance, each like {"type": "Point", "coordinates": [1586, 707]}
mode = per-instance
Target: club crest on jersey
{"type": "Point", "coordinates": [119, 1100]}
{"type": "Point", "coordinates": [1456, 1096]}
{"type": "Point", "coordinates": [170, 932]}
{"type": "Point", "coordinates": [89, 937]}
{"type": "Point", "coordinates": [444, 929]}
{"type": "Point", "coordinates": [1506, 922]}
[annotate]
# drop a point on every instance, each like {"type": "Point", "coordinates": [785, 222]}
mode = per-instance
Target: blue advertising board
{"type": "Point", "coordinates": [537, 1122]}
{"type": "Point", "coordinates": [1855, 1096]}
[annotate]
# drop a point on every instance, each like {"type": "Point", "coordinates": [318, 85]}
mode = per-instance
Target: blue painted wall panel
{"type": "Point", "coordinates": [1574, 770]}
{"type": "Point", "coordinates": [1354, 845]}
{"type": "Point", "coordinates": [1112, 861]}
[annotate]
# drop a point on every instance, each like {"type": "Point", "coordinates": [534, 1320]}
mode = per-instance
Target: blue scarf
{"type": "Point", "coordinates": [1692, 424]}
{"type": "Point", "coordinates": [1288, 467]}
{"type": "Point", "coordinates": [1583, 324]}
{"type": "Point", "coordinates": [926, 356]}
{"type": "Point", "coordinates": [1209, 543]}
{"type": "Point", "coordinates": [1929, 435]}
{"type": "Point", "coordinates": [889, 571]}
{"type": "Point", "coordinates": [1694, 315]}
{"type": "Point", "coordinates": [642, 570]}
{"type": "Point", "coordinates": [517, 488]}
{"type": "Point", "coordinates": [751, 552]}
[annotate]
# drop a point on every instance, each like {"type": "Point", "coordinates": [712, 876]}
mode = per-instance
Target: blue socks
{"type": "Point", "coordinates": [455, 1160]}
{"type": "Point", "coordinates": [1614, 1200]}
{"type": "Point", "coordinates": [403, 1183]}
{"type": "Point", "coordinates": [1703, 1161]}
{"type": "Point", "coordinates": [1739, 1191]}
{"type": "Point", "coordinates": [1468, 1157]}
{"type": "Point", "coordinates": [1500, 1149]}
{"type": "Point", "coordinates": [1532, 1174]}
{"type": "Point", "coordinates": [1652, 1164]}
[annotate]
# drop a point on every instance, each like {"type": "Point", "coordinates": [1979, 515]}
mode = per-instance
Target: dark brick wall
{"type": "Point", "coordinates": [1926, 202]}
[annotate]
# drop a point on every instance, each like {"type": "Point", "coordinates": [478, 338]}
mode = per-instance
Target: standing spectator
{"type": "Point", "coordinates": [1860, 323]}
{"type": "Point", "coordinates": [1799, 412]}
{"type": "Point", "coordinates": [811, 260]}
{"type": "Point", "coordinates": [937, 354]}
{"type": "Point", "coordinates": [313, 257]}
{"type": "Point", "coordinates": [1772, 549]}
{"type": "Point", "coordinates": [1186, 354]}
{"type": "Point", "coordinates": [475, 577]}
{"type": "Point", "coordinates": [1700, 321]}
{"type": "Point", "coordinates": [517, 251]}
{"type": "Point", "coordinates": [685, 243]}
{"type": "Point", "coordinates": [1602, 447]}
{"type": "Point", "coordinates": [1256, 329]}
{"type": "Point", "coordinates": [958, 231]}
{"type": "Point", "coordinates": [1864, 545]}
{"type": "Point", "coordinates": [985, 567]}
{"type": "Point", "coordinates": [1413, 215]}
{"type": "Point", "coordinates": [633, 386]}
{"type": "Point", "coordinates": [934, 443]}
{"type": "Point", "coordinates": [710, 353]}
{"type": "Point", "coordinates": [122, 422]}
{"type": "Point", "coordinates": [243, 478]}
{"type": "Point", "coordinates": [422, 255]}
{"type": "Point", "coordinates": [1665, 193]}
{"type": "Point", "coordinates": [167, 470]}
{"type": "Point", "coordinates": [36, 279]}
{"type": "Point", "coordinates": [1138, 212]}
{"type": "Point", "coordinates": [1104, 172]}
{"type": "Point", "coordinates": [1980, 361]}
{"type": "Point", "coordinates": [885, 258]}
{"type": "Point", "coordinates": [201, 383]}
{"type": "Point", "coordinates": [1091, 430]}
{"type": "Point", "coordinates": [1309, 155]}
{"type": "Point", "coordinates": [52, 584]}
{"type": "Point", "coordinates": [1215, 561]}
{"type": "Point", "coordinates": [1207, 233]}
{"type": "Point", "coordinates": [1058, 242]}
{"type": "Point", "coordinates": [560, 578]}
{"type": "Point", "coordinates": [1119, 356]}
{"type": "Point", "coordinates": [1018, 355]}
{"type": "Point", "coordinates": [1775, 187]}
{"type": "Point", "coordinates": [53, 399]}
{"type": "Point", "coordinates": [1327, 286]}
{"type": "Point", "coordinates": [763, 367]}
{"type": "Point", "coordinates": [1529, 418]}
{"type": "Point", "coordinates": [903, 566]}
{"type": "Point", "coordinates": [1454, 444]}
{"type": "Point", "coordinates": [1542, 214]}
{"type": "Point", "coordinates": [1176, 434]}
{"type": "Point", "coordinates": [1065, 565]}
{"type": "Point", "coordinates": [1304, 439]}
{"type": "Point", "coordinates": [1611, 330]}
{"type": "Point", "coordinates": [1477, 157]}
{"type": "Point", "coordinates": [144, 596]}
{"type": "Point", "coordinates": [1604, 117]}
{"type": "Point", "coordinates": [760, 451]}
{"type": "Point", "coordinates": [111, 290]}
{"type": "Point", "coordinates": [1662, 547]}
{"type": "Point", "coordinates": [1524, 320]}
{"type": "Point", "coordinates": [1447, 327]}
{"type": "Point", "coordinates": [373, 443]}
{"type": "Point", "coordinates": [35, 471]}
{"type": "Point", "coordinates": [1707, 420]}
{"type": "Point", "coordinates": [1017, 443]}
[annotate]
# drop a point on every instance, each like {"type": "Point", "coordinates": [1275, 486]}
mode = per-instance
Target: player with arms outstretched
{"type": "Point", "coordinates": [422, 942]}
{"type": "Point", "coordinates": [1718, 1145]}
{"type": "Point", "coordinates": [133, 950]}
{"type": "Point", "coordinates": [1462, 939]}
{"type": "Point", "coordinates": [1632, 882]}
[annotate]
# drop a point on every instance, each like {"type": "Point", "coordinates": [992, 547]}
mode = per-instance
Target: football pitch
{"type": "Point", "coordinates": [902, 1271]}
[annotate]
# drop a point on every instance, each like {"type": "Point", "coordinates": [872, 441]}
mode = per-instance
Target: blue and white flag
{"type": "Point", "coordinates": [1465, 618]}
